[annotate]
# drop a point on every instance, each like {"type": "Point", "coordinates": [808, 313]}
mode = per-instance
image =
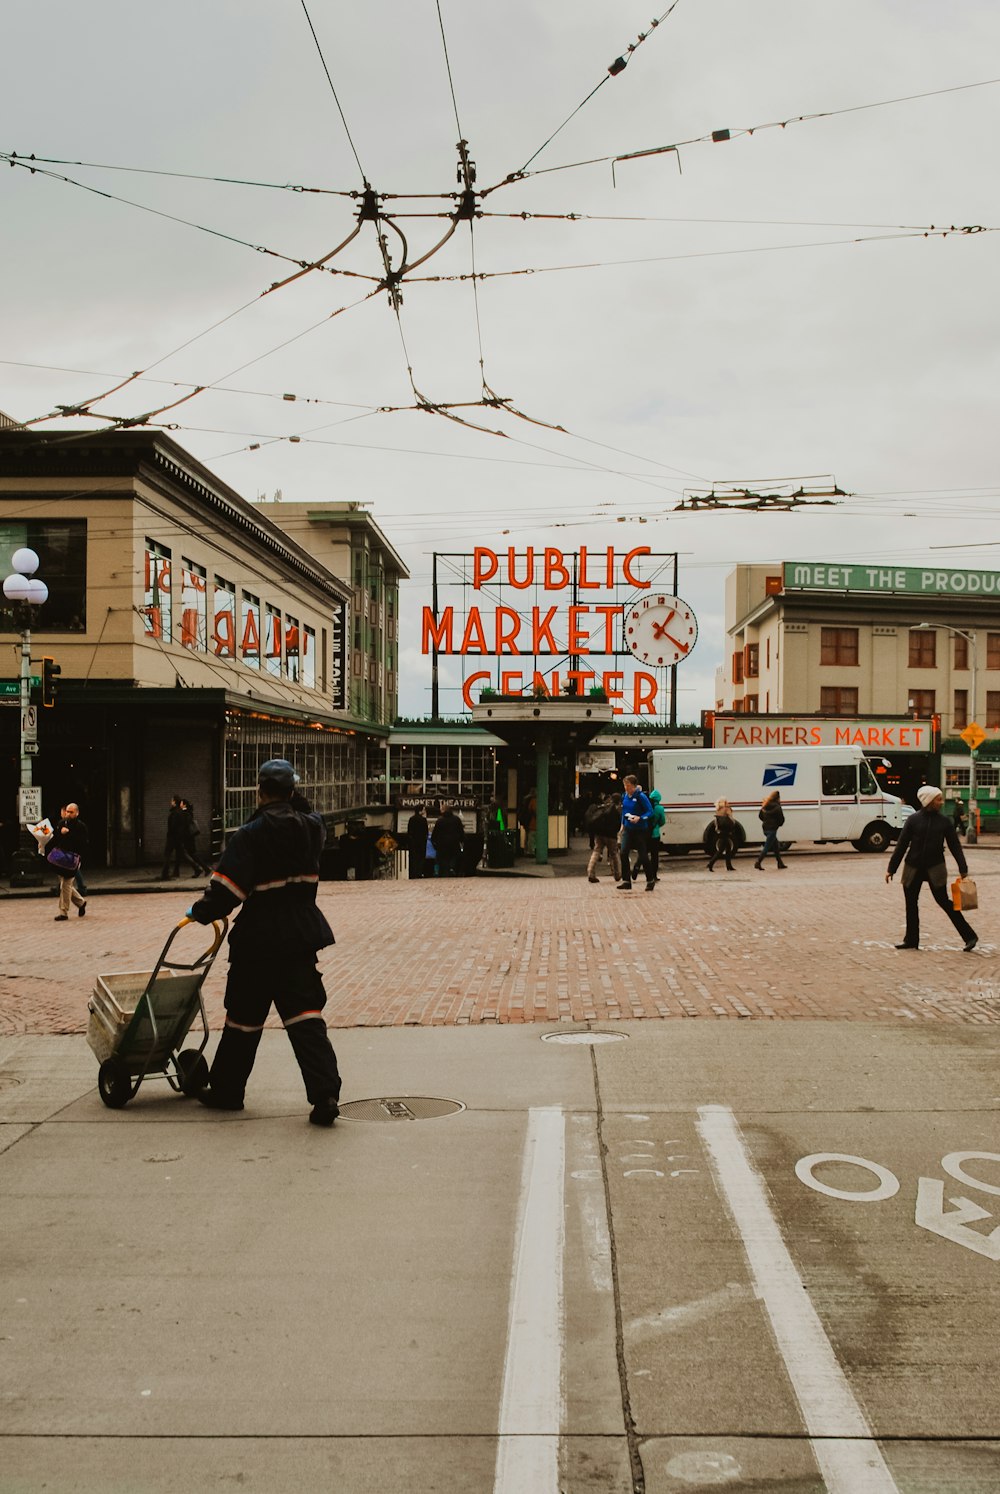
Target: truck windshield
{"type": "Point", "coordinates": [869, 783]}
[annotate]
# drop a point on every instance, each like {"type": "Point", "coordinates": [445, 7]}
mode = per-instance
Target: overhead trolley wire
{"type": "Point", "coordinates": [188, 176]}
{"type": "Point", "coordinates": [217, 233]}
{"type": "Point", "coordinates": [719, 136]}
{"type": "Point", "coordinates": [654, 259]}
{"type": "Point", "coordinates": [333, 90]}
{"type": "Point", "coordinates": [616, 67]}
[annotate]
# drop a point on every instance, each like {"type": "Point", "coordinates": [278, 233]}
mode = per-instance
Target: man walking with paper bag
{"type": "Point", "coordinates": [922, 842]}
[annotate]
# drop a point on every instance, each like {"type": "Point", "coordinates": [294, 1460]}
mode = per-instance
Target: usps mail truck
{"type": "Point", "coordinates": [827, 794]}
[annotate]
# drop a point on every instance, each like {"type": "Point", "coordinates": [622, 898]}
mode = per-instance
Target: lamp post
{"type": "Point", "coordinates": [971, 834]}
{"type": "Point", "coordinates": [25, 591]}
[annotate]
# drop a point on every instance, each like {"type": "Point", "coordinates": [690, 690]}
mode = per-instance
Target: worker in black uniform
{"type": "Point", "coordinates": [271, 868]}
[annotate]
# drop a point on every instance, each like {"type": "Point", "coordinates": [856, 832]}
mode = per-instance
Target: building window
{"type": "Point", "coordinates": [250, 639]}
{"type": "Point", "coordinates": [993, 651]}
{"type": "Point", "coordinates": [751, 660]}
{"type": "Point", "coordinates": [272, 642]}
{"type": "Point", "coordinates": [993, 708]}
{"type": "Point", "coordinates": [961, 716]}
{"type": "Point", "coordinates": [224, 630]}
{"type": "Point", "coordinates": [838, 700]}
{"type": "Point", "coordinates": [838, 646]}
{"type": "Point", "coordinates": [767, 653]}
{"type": "Point", "coordinates": [921, 704]}
{"type": "Point", "coordinates": [738, 667]}
{"type": "Point", "coordinates": [61, 547]}
{"type": "Point", "coordinates": [923, 648]}
{"type": "Point", "coordinates": [156, 602]}
{"type": "Point", "coordinates": [956, 778]}
{"type": "Point", "coordinates": [751, 704]}
{"type": "Point", "coordinates": [961, 652]}
{"type": "Point", "coordinates": [308, 661]}
{"type": "Point", "coordinates": [292, 664]}
{"type": "Point", "coordinates": [194, 606]}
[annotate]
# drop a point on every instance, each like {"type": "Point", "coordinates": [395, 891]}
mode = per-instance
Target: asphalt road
{"type": "Point", "coordinates": [622, 1266]}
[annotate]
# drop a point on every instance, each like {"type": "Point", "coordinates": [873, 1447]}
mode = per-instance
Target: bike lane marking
{"type": "Point", "coordinates": [841, 1438]}
{"type": "Point", "coordinates": [531, 1404]}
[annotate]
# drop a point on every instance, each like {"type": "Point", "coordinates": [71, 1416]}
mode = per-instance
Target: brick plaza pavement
{"type": "Point", "coordinates": [815, 941]}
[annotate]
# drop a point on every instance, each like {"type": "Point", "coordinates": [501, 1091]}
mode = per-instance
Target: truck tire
{"type": "Point", "coordinates": [875, 837]}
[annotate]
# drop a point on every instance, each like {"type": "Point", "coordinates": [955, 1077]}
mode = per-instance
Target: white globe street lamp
{"type": "Point", "coordinates": [24, 591]}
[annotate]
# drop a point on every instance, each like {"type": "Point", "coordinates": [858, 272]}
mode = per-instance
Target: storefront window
{"type": "Point", "coordinates": [61, 547]}
{"type": "Point", "coordinates": [309, 657]}
{"type": "Point", "coordinates": [156, 611]}
{"type": "Point", "coordinates": [292, 662]}
{"type": "Point", "coordinates": [194, 606]}
{"type": "Point", "coordinates": [224, 633]}
{"type": "Point", "coordinates": [250, 639]}
{"type": "Point", "coordinates": [329, 762]}
{"type": "Point", "coordinates": [272, 642]}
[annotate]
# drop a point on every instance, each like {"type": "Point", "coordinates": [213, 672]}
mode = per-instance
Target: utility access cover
{"type": "Point", "coordinates": [584, 1037]}
{"type": "Point", "coordinates": [400, 1107]}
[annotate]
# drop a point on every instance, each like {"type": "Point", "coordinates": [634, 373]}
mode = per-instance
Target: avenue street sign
{"type": "Point", "coordinates": [11, 689]}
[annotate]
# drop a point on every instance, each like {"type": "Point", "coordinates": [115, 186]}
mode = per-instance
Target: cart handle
{"type": "Point", "coordinates": [219, 925]}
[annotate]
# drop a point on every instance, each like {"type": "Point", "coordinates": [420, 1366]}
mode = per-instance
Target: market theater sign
{"type": "Point", "coordinates": [585, 632]}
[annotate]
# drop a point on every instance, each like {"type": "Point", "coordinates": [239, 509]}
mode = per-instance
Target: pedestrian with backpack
{"type": "Point", "coordinates": [602, 822]}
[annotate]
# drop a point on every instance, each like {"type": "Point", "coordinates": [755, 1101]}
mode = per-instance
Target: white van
{"type": "Point", "coordinates": [827, 794]}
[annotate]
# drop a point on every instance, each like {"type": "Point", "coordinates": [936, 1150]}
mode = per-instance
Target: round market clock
{"type": "Point", "coordinates": [661, 630]}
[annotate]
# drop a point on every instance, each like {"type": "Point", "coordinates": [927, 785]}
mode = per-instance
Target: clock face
{"type": "Point", "coordinates": [661, 630]}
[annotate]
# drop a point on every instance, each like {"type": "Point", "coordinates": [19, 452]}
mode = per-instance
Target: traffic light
{"type": "Point", "coordinates": [50, 673]}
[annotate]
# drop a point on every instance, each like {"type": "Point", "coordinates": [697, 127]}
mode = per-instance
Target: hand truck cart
{"type": "Point", "coordinates": [139, 1020]}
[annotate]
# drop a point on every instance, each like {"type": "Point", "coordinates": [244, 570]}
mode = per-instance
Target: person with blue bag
{"type": "Point", "coordinates": [65, 855]}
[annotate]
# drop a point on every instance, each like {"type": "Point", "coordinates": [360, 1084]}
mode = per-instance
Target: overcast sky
{"type": "Point", "coordinates": [729, 327]}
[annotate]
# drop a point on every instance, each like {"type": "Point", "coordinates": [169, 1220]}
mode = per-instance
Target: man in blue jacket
{"type": "Point", "coordinates": [637, 818]}
{"type": "Point", "coordinates": [270, 871]}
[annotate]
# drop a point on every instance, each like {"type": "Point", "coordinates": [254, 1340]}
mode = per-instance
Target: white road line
{"type": "Point", "coordinates": [531, 1406]}
{"type": "Point", "coordinates": [842, 1440]}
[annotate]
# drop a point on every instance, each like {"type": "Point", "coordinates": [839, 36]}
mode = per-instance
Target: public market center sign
{"type": "Point", "coordinates": [565, 629]}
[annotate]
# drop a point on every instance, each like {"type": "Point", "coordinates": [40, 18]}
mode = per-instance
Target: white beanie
{"type": "Point", "coordinates": [928, 794]}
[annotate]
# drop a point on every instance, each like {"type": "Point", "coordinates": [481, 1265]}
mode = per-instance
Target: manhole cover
{"type": "Point", "coordinates": [584, 1037]}
{"type": "Point", "coordinates": [400, 1107]}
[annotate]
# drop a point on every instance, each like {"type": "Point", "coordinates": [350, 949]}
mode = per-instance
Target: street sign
{"type": "Point", "coordinates": [29, 804]}
{"type": "Point", "coordinates": [973, 735]}
{"type": "Point", "coordinates": [30, 748]}
{"type": "Point", "coordinates": [11, 689]}
{"type": "Point", "coordinates": [29, 724]}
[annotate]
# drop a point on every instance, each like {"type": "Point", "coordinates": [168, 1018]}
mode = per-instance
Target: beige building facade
{"type": "Point", "coordinates": [844, 640]}
{"type": "Point", "coordinates": [196, 638]}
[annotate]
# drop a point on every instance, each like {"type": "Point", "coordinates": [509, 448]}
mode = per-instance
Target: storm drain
{"type": "Point", "coordinates": [400, 1108]}
{"type": "Point", "coordinates": [584, 1037]}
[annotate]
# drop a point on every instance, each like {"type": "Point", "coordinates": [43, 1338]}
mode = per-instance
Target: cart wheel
{"type": "Point", "coordinates": [114, 1084]}
{"type": "Point", "coordinates": [193, 1071]}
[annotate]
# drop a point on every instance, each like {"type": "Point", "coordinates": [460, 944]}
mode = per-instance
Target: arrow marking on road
{"type": "Point", "coordinates": [930, 1214]}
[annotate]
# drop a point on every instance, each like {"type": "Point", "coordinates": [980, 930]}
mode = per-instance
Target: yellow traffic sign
{"type": "Point", "coordinates": [973, 735]}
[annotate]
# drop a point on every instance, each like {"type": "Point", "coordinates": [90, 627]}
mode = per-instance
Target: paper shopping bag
{"type": "Point", "coordinates": [963, 894]}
